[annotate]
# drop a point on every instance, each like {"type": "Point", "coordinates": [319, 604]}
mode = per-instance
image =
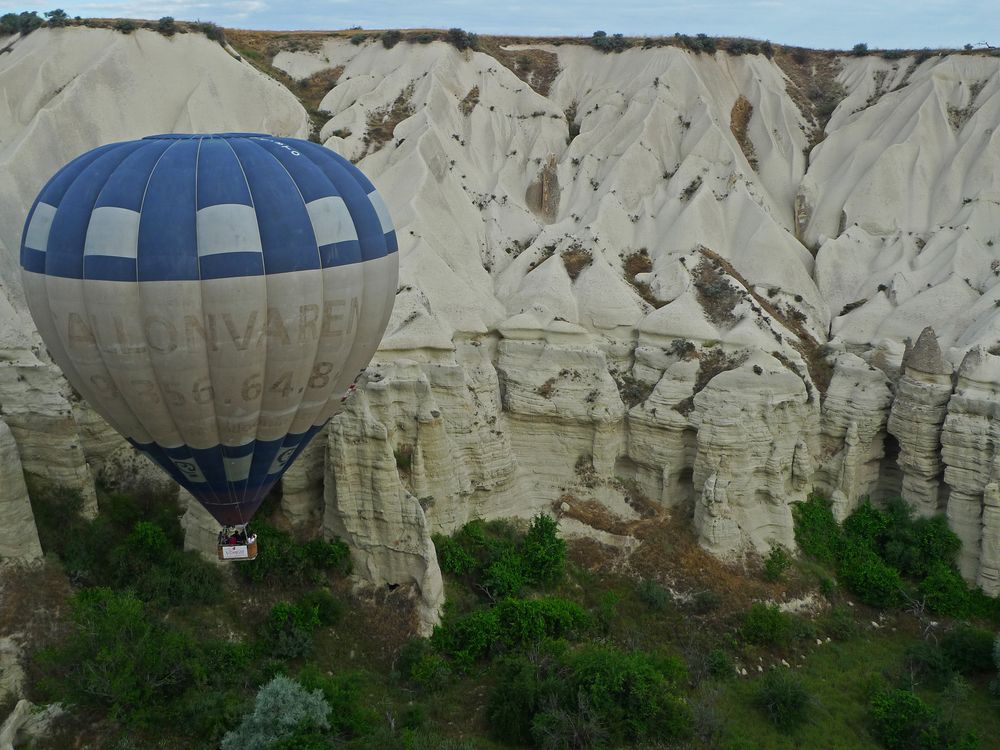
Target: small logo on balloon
{"type": "Point", "coordinates": [189, 469]}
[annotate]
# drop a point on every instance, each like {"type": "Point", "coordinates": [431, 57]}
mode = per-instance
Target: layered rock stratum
{"type": "Point", "coordinates": [654, 271]}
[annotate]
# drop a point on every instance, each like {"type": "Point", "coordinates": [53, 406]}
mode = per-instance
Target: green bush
{"type": "Point", "coordinates": [653, 595]}
{"type": "Point", "coordinates": [916, 546]}
{"type": "Point", "coordinates": [719, 664]}
{"type": "Point", "coordinates": [929, 665]}
{"type": "Point", "coordinates": [461, 39]}
{"type": "Point", "coordinates": [866, 574]}
{"type": "Point", "coordinates": [212, 31]}
{"type": "Point", "coordinates": [526, 621]}
{"type": "Point", "coordinates": [494, 557]}
{"type": "Point", "coordinates": [563, 698]}
{"type": "Point", "coordinates": [634, 696]}
{"type": "Point", "coordinates": [506, 574]}
{"type": "Point", "coordinates": [328, 609]}
{"type": "Point", "coordinates": [283, 708]}
{"type": "Point", "coordinates": [969, 650]}
{"type": "Point", "coordinates": [783, 699]}
{"type": "Point", "coordinates": [56, 18]}
{"type": "Point", "coordinates": [430, 672]}
{"type": "Point", "coordinates": [419, 664]}
{"type": "Point", "coordinates": [468, 638]}
{"type": "Point", "coordinates": [839, 624]}
{"type": "Point", "coordinates": [166, 26]}
{"type": "Point", "coordinates": [614, 43]}
{"type": "Point", "coordinates": [517, 695]}
{"type": "Point", "coordinates": [995, 683]}
{"type": "Point", "coordinates": [868, 525]}
{"type": "Point", "coordinates": [281, 560]}
{"type": "Point", "coordinates": [334, 556]}
{"type": "Point", "coordinates": [899, 717]}
{"type": "Point", "coordinates": [350, 715]}
{"type": "Point", "coordinates": [543, 551]}
{"type": "Point", "coordinates": [358, 38]}
{"type": "Point", "coordinates": [766, 625]}
{"type": "Point", "coordinates": [118, 658]}
{"type": "Point", "coordinates": [816, 531]}
{"type": "Point", "coordinates": [945, 592]}
{"type": "Point", "coordinates": [289, 629]}
{"type": "Point", "coordinates": [391, 38]}
{"type": "Point", "coordinates": [560, 726]}
{"type": "Point", "coordinates": [902, 721]}
{"type": "Point", "coordinates": [512, 623]}
{"type": "Point", "coordinates": [776, 563]}
{"type": "Point", "coordinates": [20, 23]}
{"type": "Point", "coordinates": [453, 557]}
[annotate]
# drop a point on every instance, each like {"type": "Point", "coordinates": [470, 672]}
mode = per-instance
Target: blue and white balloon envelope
{"type": "Point", "coordinates": [212, 297]}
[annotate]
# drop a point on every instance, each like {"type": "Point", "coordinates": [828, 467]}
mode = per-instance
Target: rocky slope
{"type": "Point", "coordinates": [619, 272]}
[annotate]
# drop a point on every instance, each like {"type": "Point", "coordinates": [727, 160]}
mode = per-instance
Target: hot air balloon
{"type": "Point", "coordinates": [212, 297]}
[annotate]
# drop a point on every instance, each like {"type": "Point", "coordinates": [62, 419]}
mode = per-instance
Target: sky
{"type": "Point", "coordinates": [886, 24]}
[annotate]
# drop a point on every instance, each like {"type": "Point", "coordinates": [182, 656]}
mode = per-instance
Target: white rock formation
{"type": "Point", "coordinates": [918, 412]}
{"type": "Point", "coordinates": [853, 430]}
{"type": "Point", "coordinates": [757, 435]}
{"type": "Point", "coordinates": [989, 560]}
{"type": "Point", "coordinates": [970, 443]}
{"type": "Point", "coordinates": [18, 536]}
{"type": "Point", "coordinates": [368, 506]}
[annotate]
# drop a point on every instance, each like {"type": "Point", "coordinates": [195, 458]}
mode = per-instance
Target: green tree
{"type": "Point", "coordinates": [166, 26]}
{"type": "Point", "coordinates": [56, 17]}
{"type": "Point", "coordinates": [282, 708]}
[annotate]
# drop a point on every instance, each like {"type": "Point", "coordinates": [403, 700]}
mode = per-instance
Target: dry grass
{"type": "Point", "coordinates": [812, 351]}
{"type": "Point", "coordinates": [739, 120]}
{"type": "Point", "coordinates": [469, 102]}
{"type": "Point", "coordinates": [382, 122]}
{"type": "Point", "coordinates": [718, 297]}
{"type": "Point", "coordinates": [537, 68]}
{"type": "Point", "coordinates": [667, 551]}
{"type": "Point", "coordinates": [636, 263]}
{"type": "Point", "coordinates": [812, 85]}
{"type": "Point", "coordinates": [575, 259]}
{"type": "Point", "coordinates": [711, 362]}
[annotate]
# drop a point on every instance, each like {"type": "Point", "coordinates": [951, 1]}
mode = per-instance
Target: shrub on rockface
{"type": "Point", "coordinates": [867, 575]}
{"type": "Point", "coordinates": [816, 530]}
{"type": "Point", "coordinates": [461, 39]}
{"type": "Point", "coordinates": [391, 38]}
{"type": "Point", "coordinates": [613, 43]}
{"type": "Point", "coordinates": [494, 557]}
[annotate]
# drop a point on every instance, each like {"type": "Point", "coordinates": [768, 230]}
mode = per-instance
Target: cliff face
{"type": "Point", "coordinates": [617, 271]}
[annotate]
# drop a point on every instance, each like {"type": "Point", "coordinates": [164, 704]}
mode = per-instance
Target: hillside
{"type": "Point", "coordinates": [685, 272]}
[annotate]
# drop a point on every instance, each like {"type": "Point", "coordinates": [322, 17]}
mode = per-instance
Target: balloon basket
{"type": "Point", "coordinates": [238, 552]}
